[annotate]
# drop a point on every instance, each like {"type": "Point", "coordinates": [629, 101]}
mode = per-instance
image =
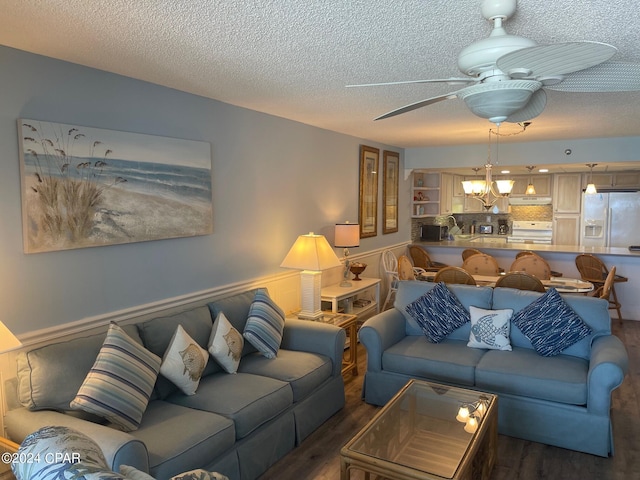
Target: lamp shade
{"type": "Point", "coordinates": [311, 252]}
{"type": "Point", "coordinates": [347, 235]}
{"type": "Point", "coordinates": [8, 340]}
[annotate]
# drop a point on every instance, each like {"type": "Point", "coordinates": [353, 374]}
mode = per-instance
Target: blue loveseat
{"type": "Point", "coordinates": [562, 400]}
{"type": "Point", "coordinates": [236, 424]}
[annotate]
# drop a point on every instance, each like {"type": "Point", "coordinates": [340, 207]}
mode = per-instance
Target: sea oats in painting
{"type": "Point", "coordinates": [85, 187]}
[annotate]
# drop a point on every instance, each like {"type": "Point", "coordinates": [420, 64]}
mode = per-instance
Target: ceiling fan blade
{"type": "Point", "coordinates": [450, 81]}
{"type": "Point", "coordinates": [414, 106]}
{"type": "Point", "coordinates": [530, 110]}
{"type": "Point", "coordinates": [606, 77]}
{"type": "Point", "coordinates": [557, 59]}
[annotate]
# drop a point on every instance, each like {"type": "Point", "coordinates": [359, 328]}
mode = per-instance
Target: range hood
{"type": "Point", "coordinates": [530, 200]}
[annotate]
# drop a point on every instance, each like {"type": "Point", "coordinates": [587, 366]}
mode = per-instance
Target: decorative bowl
{"type": "Point", "coordinates": [357, 268]}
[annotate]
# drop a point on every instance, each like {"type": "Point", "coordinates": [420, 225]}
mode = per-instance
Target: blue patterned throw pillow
{"type": "Point", "coordinates": [265, 325]}
{"type": "Point", "coordinates": [550, 324]}
{"type": "Point", "coordinates": [438, 312]}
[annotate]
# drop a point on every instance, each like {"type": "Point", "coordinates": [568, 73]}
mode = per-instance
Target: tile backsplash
{"type": "Point", "coordinates": [517, 212]}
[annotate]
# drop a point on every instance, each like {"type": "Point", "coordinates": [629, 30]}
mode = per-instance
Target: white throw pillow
{"type": "Point", "coordinates": [225, 344]}
{"type": "Point", "coordinates": [490, 328]}
{"type": "Point", "coordinates": [184, 361]}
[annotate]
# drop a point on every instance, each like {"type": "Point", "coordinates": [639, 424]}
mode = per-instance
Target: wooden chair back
{"type": "Point", "coordinates": [467, 252]}
{"type": "Point", "coordinates": [481, 264]}
{"type": "Point", "coordinates": [532, 264]}
{"type": "Point", "coordinates": [419, 256]}
{"type": "Point", "coordinates": [405, 268]}
{"type": "Point", "coordinates": [591, 268]}
{"type": "Point", "coordinates": [521, 281]}
{"type": "Point", "coordinates": [454, 275]}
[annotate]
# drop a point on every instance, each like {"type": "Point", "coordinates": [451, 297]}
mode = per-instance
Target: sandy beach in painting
{"type": "Point", "coordinates": [123, 217]}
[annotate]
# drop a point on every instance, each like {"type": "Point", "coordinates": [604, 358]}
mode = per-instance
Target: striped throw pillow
{"type": "Point", "coordinates": [120, 382]}
{"type": "Point", "coordinates": [265, 325]}
{"type": "Point", "coordinates": [550, 324]}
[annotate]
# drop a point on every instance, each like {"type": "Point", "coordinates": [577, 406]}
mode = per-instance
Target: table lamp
{"type": "Point", "coordinates": [311, 253]}
{"type": "Point", "coordinates": [8, 340]}
{"type": "Point", "coordinates": [347, 236]}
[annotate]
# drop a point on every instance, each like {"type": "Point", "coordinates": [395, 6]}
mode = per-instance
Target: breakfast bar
{"type": "Point", "coordinates": [560, 257]}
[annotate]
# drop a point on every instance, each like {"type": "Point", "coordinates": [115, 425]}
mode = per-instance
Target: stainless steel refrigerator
{"type": "Point", "coordinates": [610, 219]}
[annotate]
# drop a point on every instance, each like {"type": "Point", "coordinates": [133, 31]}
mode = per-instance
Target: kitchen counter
{"type": "Point", "coordinates": [561, 258]}
{"type": "Point", "coordinates": [499, 242]}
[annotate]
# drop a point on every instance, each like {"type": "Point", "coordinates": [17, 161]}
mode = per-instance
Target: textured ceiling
{"type": "Point", "coordinates": [293, 58]}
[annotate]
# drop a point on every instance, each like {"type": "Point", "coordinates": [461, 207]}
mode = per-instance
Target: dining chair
{"type": "Point", "coordinates": [454, 275]}
{"type": "Point", "coordinates": [554, 273]}
{"type": "Point", "coordinates": [422, 259]}
{"type": "Point", "coordinates": [390, 267]}
{"type": "Point", "coordinates": [481, 264]}
{"type": "Point", "coordinates": [594, 270]}
{"type": "Point", "coordinates": [405, 268]}
{"type": "Point", "coordinates": [467, 252]}
{"type": "Point", "coordinates": [532, 264]}
{"type": "Point", "coordinates": [521, 281]}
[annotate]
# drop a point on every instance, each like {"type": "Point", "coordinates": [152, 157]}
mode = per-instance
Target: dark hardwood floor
{"type": "Point", "coordinates": [319, 455]}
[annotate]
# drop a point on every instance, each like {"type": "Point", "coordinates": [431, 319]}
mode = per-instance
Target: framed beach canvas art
{"type": "Point", "coordinates": [88, 187]}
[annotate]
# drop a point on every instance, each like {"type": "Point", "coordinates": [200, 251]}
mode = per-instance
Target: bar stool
{"type": "Point", "coordinates": [481, 264]}
{"type": "Point", "coordinates": [593, 270]}
{"type": "Point", "coordinates": [523, 253]}
{"type": "Point", "coordinates": [422, 259]}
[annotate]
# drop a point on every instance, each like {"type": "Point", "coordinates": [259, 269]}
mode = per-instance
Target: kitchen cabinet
{"type": "Point", "coordinates": [566, 229]}
{"type": "Point", "coordinates": [613, 180]}
{"type": "Point", "coordinates": [542, 184]}
{"type": "Point", "coordinates": [458, 191]}
{"type": "Point", "coordinates": [446, 194]}
{"type": "Point", "coordinates": [567, 193]}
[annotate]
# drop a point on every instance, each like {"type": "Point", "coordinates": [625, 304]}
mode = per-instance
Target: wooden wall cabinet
{"type": "Point", "coordinates": [542, 184]}
{"type": "Point", "coordinates": [566, 229]}
{"type": "Point", "coordinates": [567, 193]}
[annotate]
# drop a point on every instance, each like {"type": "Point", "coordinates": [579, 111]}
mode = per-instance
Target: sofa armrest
{"type": "Point", "coordinates": [379, 333]}
{"type": "Point", "coordinates": [315, 337]}
{"type": "Point", "coordinates": [607, 367]}
{"type": "Point", "coordinates": [119, 448]}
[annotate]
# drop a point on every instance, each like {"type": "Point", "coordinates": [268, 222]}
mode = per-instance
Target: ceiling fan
{"type": "Point", "coordinates": [508, 74]}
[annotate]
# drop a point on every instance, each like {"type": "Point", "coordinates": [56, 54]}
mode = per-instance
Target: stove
{"type": "Point", "coordinates": [525, 231]}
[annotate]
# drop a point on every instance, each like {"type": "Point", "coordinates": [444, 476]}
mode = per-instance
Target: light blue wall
{"type": "Point", "coordinates": [273, 179]}
{"type": "Point", "coordinates": [594, 150]}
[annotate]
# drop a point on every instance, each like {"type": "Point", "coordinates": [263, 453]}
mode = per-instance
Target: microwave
{"type": "Point", "coordinates": [434, 233]}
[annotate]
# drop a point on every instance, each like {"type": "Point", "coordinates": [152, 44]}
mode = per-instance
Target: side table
{"type": "Point", "coordinates": [7, 446]}
{"type": "Point", "coordinates": [359, 290]}
{"type": "Point", "coordinates": [349, 323]}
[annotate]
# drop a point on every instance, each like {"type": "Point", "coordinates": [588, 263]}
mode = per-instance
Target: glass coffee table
{"type": "Point", "coordinates": [428, 431]}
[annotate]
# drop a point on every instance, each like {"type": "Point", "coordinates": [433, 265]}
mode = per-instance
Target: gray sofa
{"type": "Point", "coordinates": [561, 400]}
{"type": "Point", "coordinates": [236, 424]}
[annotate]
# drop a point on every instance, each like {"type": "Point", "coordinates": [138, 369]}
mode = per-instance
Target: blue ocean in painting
{"type": "Point", "coordinates": [178, 182]}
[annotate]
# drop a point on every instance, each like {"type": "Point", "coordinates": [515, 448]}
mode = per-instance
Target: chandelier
{"type": "Point", "coordinates": [484, 190]}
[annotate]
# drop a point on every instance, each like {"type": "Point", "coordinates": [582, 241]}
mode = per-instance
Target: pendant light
{"type": "Point", "coordinates": [484, 190]}
{"type": "Point", "coordinates": [531, 190]}
{"type": "Point", "coordinates": [591, 188]}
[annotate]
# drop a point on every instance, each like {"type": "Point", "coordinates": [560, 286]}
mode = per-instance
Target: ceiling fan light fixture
{"type": "Point", "coordinates": [497, 100]}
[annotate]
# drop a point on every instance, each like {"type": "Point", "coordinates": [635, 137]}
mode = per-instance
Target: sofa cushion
{"type": "Point", "coordinates": [249, 400]}
{"type": "Point", "coordinates": [184, 361]}
{"type": "Point", "coordinates": [199, 474]}
{"type": "Point", "coordinates": [49, 377]}
{"type": "Point", "coordinates": [490, 328]}
{"type": "Point", "coordinates": [304, 371]}
{"type": "Point", "coordinates": [550, 324]}
{"type": "Point", "coordinates": [225, 344]}
{"type": "Point", "coordinates": [131, 473]}
{"type": "Point", "coordinates": [409, 291]}
{"type": "Point", "coordinates": [158, 332]}
{"type": "Point", "coordinates": [438, 312]}
{"type": "Point", "coordinates": [523, 372]}
{"type": "Point", "coordinates": [265, 325]}
{"type": "Point", "coordinates": [178, 438]}
{"type": "Point", "coordinates": [120, 382]}
{"type": "Point", "coordinates": [449, 361]}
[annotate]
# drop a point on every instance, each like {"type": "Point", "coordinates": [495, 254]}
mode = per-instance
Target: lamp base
{"type": "Point", "coordinates": [310, 283]}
